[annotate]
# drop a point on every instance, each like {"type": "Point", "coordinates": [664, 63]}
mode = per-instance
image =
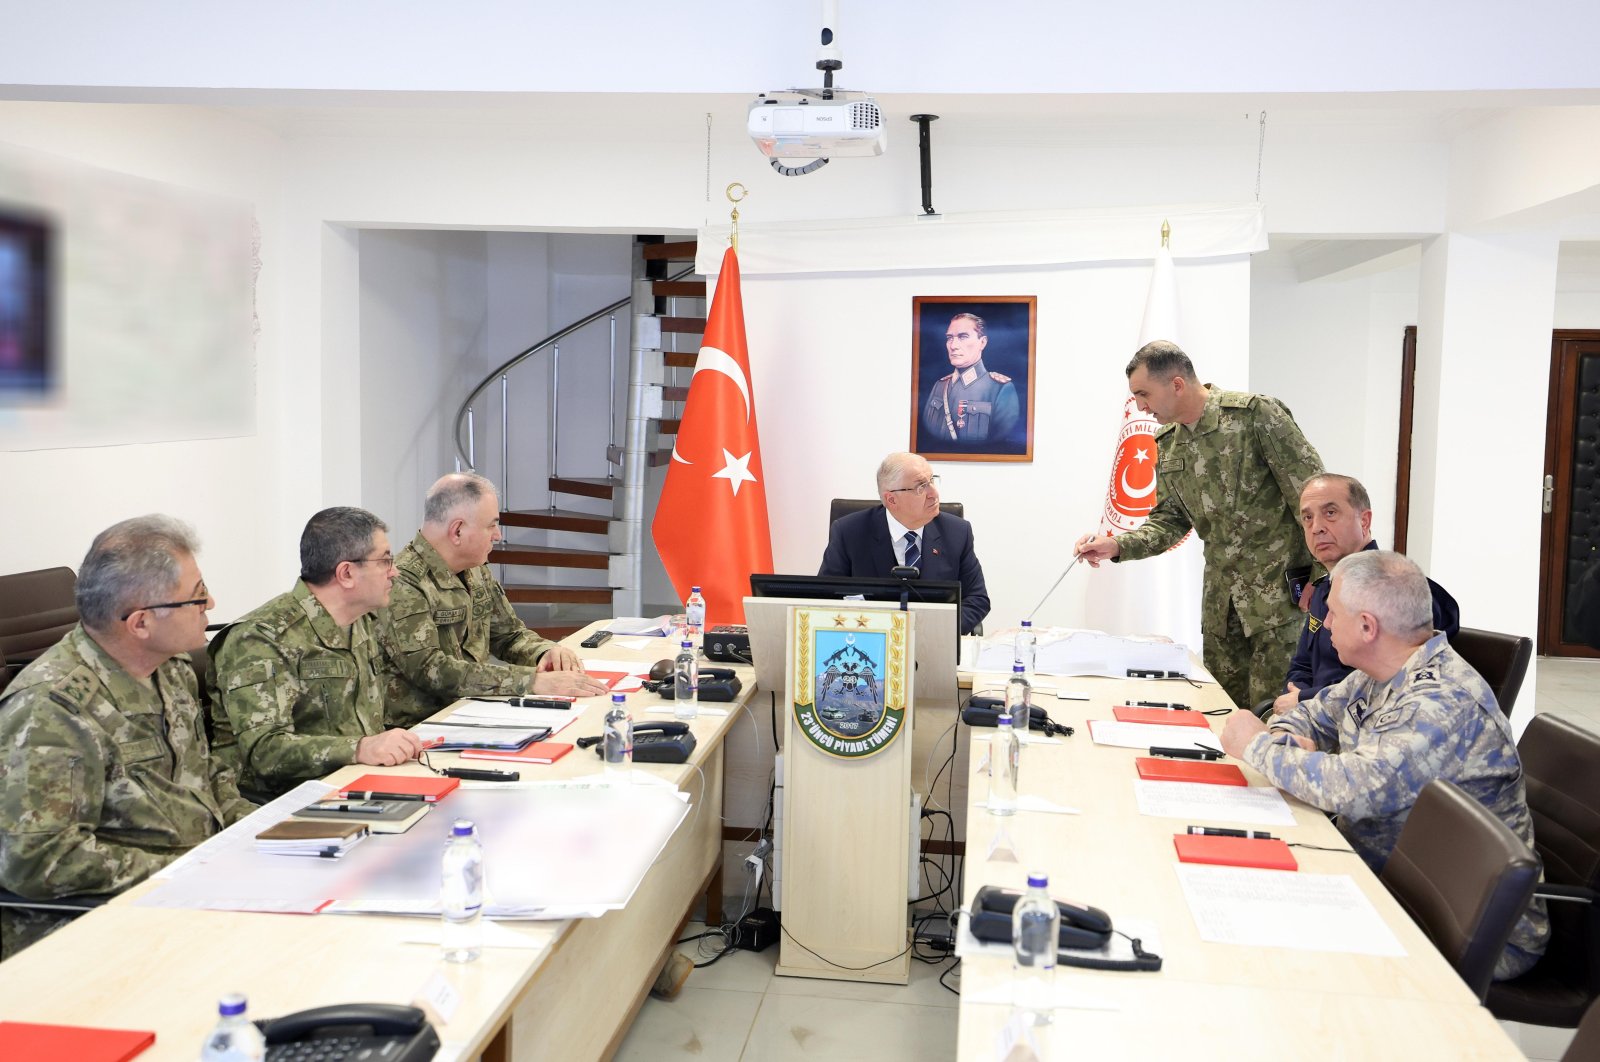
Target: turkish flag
{"type": "Point", "coordinates": [711, 524]}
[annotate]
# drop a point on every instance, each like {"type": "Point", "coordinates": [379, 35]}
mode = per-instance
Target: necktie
{"type": "Point", "coordinates": [913, 553]}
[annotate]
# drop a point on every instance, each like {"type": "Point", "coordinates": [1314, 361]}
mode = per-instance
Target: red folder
{"type": "Point", "coordinates": [21, 1039]}
{"type": "Point", "coordinates": [399, 787]}
{"type": "Point", "coordinates": [1152, 769]}
{"type": "Point", "coordinates": [537, 752]}
{"type": "Point", "coordinates": [1126, 713]}
{"type": "Point", "coordinates": [1260, 852]}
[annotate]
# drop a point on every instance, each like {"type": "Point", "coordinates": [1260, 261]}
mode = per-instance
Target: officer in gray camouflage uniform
{"type": "Point", "coordinates": [298, 681]}
{"type": "Point", "coordinates": [106, 774]}
{"type": "Point", "coordinates": [450, 631]}
{"type": "Point", "coordinates": [1230, 465]}
{"type": "Point", "coordinates": [972, 404]}
{"type": "Point", "coordinates": [1413, 711]}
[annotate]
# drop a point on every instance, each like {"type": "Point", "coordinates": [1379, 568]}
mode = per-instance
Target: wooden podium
{"type": "Point", "coordinates": [848, 757]}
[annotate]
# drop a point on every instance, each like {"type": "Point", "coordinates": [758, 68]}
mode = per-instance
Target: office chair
{"type": "Point", "coordinates": [1585, 1047]}
{"type": "Point", "coordinates": [1561, 768]}
{"type": "Point", "coordinates": [1463, 876]}
{"type": "Point", "coordinates": [1502, 660]}
{"type": "Point", "coordinates": [37, 609]}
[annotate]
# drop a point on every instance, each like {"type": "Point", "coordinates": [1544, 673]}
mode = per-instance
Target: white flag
{"type": "Point", "coordinates": [1158, 595]}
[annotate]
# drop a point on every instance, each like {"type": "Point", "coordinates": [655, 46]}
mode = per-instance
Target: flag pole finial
{"type": "Point", "coordinates": [1166, 233]}
{"type": "Point", "coordinates": [733, 236]}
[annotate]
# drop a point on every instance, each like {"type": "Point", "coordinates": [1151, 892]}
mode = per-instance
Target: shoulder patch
{"type": "Point", "coordinates": [252, 673]}
{"type": "Point", "coordinates": [1235, 399]}
{"type": "Point", "coordinates": [75, 688]}
{"type": "Point", "coordinates": [1165, 429]}
{"type": "Point", "coordinates": [999, 377]}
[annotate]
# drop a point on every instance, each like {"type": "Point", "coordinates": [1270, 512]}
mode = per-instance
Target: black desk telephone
{"type": "Point", "coordinates": [371, 1032]}
{"type": "Point", "coordinates": [1082, 929]}
{"type": "Point", "coordinates": [653, 743]}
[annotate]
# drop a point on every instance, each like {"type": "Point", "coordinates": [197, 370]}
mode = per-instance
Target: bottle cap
{"type": "Point", "coordinates": [462, 828]}
{"type": "Point", "coordinates": [1005, 719]}
{"type": "Point", "coordinates": [619, 698]}
{"type": "Point", "coordinates": [1018, 668]}
{"type": "Point", "coordinates": [687, 644]}
{"type": "Point", "coordinates": [1027, 623]}
{"type": "Point", "coordinates": [1038, 881]}
{"type": "Point", "coordinates": [231, 1004]}
{"type": "Point", "coordinates": [694, 589]}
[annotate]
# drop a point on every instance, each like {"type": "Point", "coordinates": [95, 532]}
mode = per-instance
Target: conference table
{"type": "Point", "coordinates": [572, 996]}
{"type": "Point", "coordinates": [1209, 1000]}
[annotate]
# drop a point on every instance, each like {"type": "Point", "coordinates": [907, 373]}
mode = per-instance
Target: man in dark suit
{"type": "Point", "coordinates": [908, 529]}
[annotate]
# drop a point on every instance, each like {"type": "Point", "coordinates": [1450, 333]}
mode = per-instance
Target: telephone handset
{"type": "Point", "coordinates": [654, 742]}
{"type": "Point", "coordinates": [1083, 928]}
{"type": "Point", "coordinates": [386, 1031]}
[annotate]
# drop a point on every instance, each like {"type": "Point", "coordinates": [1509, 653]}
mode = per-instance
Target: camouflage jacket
{"type": "Point", "coordinates": [450, 636]}
{"type": "Point", "coordinates": [297, 690]}
{"type": "Point", "coordinates": [106, 779]}
{"type": "Point", "coordinates": [1234, 476]}
{"type": "Point", "coordinates": [1379, 743]}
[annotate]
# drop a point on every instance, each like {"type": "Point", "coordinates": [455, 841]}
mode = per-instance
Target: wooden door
{"type": "Point", "coordinates": [1569, 556]}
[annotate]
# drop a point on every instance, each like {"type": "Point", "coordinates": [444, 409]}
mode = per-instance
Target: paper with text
{"type": "Point", "coordinates": [1278, 909]}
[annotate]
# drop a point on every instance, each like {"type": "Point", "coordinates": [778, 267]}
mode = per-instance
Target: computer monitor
{"type": "Point", "coordinates": [936, 612]}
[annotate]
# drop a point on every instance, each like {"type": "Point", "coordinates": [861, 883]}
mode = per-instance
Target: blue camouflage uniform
{"type": "Point", "coordinates": [1316, 662]}
{"type": "Point", "coordinates": [1379, 743]}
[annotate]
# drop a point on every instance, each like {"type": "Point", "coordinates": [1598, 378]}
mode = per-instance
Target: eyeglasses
{"type": "Point", "coordinates": [203, 600]}
{"type": "Point", "coordinates": [919, 490]}
{"type": "Point", "coordinates": [387, 560]}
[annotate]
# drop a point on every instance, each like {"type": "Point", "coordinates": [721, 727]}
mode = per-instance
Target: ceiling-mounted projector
{"type": "Point", "coordinates": [805, 124]}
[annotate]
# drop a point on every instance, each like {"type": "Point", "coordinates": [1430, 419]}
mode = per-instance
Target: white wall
{"type": "Point", "coordinates": [229, 489]}
{"type": "Point", "coordinates": [424, 314]}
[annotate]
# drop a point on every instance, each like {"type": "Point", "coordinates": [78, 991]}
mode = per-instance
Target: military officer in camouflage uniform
{"type": "Point", "coordinates": [972, 404]}
{"type": "Point", "coordinates": [106, 774]}
{"type": "Point", "coordinates": [1230, 466]}
{"type": "Point", "coordinates": [1413, 711]}
{"type": "Point", "coordinates": [298, 680]}
{"type": "Point", "coordinates": [450, 631]}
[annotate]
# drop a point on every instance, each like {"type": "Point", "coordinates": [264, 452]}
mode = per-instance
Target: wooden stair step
{"type": "Point", "coordinates": [668, 427]}
{"type": "Point", "coordinates": [589, 487]}
{"type": "Point", "coordinates": [550, 556]}
{"type": "Point", "coordinates": [683, 325]}
{"type": "Point", "coordinates": [556, 632]}
{"type": "Point", "coordinates": [692, 289]}
{"type": "Point", "coordinates": [674, 394]}
{"type": "Point", "coordinates": [670, 251]}
{"type": "Point", "coordinates": [534, 594]}
{"type": "Point", "coordinates": [557, 520]}
{"type": "Point", "coordinates": [680, 359]}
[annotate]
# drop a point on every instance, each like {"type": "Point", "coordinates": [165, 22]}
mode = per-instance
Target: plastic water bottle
{"type": "Point", "coordinates": [1004, 753]}
{"type": "Point", "coordinates": [618, 736]}
{"type": "Point", "coordinates": [1019, 698]}
{"type": "Point", "coordinates": [233, 1038]}
{"type": "Point", "coordinates": [461, 893]}
{"type": "Point", "coordinates": [1027, 647]}
{"type": "Point", "coordinates": [1035, 932]}
{"type": "Point", "coordinates": [694, 617]}
{"type": "Point", "coordinates": [686, 683]}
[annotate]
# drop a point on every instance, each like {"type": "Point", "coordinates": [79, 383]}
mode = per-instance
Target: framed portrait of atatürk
{"type": "Point", "coordinates": [972, 376]}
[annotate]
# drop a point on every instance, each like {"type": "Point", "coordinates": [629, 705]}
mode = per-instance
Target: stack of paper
{"type": "Point", "coordinates": [308, 837]}
{"type": "Point", "coordinates": [481, 713]}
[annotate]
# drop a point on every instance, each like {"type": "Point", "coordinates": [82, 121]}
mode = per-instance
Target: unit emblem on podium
{"type": "Point", "coordinates": [850, 678]}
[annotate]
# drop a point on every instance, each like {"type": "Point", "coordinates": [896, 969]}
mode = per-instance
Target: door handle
{"type": "Point", "coordinates": [1549, 492]}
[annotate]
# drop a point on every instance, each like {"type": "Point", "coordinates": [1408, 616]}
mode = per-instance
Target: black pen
{"type": "Point", "coordinates": [1174, 705]}
{"type": "Point", "coordinates": [1199, 752]}
{"type": "Point", "coordinates": [363, 808]}
{"type": "Point", "coordinates": [1218, 831]}
{"type": "Point", "coordinates": [373, 794]}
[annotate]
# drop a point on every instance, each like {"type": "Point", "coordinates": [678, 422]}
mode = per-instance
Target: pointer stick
{"type": "Point", "coordinates": [1075, 558]}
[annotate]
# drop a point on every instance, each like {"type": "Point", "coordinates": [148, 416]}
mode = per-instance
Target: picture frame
{"type": "Point", "coordinates": [972, 388]}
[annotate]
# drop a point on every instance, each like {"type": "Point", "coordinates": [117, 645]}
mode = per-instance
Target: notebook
{"type": "Point", "coordinates": [1153, 769]}
{"type": "Point", "coordinates": [379, 816]}
{"type": "Point", "coordinates": [1126, 713]}
{"type": "Point", "coordinates": [399, 787]}
{"type": "Point", "coordinates": [1268, 854]}
{"type": "Point", "coordinates": [21, 1039]}
{"type": "Point", "coordinates": [311, 837]}
{"type": "Point", "coordinates": [538, 752]}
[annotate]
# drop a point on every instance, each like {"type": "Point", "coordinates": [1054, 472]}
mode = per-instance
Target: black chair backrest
{"type": "Point", "coordinates": [845, 506]}
{"type": "Point", "coordinates": [37, 609]}
{"type": "Point", "coordinates": [1464, 877]}
{"type": "Point", "coordinates": [1502, 660]}
{"type": "Point", "coordinates": [1585, 1046]}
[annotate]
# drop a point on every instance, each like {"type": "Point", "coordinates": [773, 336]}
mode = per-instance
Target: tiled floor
{"type": "Point", "coordinates": [737, 1010]}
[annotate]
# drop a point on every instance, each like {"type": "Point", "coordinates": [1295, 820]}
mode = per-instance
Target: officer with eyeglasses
{"type": "Point", "coordinates": [106, 774]}
{"type": "Point", "coordinates": [909, 530]}
{"type": "Point", "coordinates": [299, 681]}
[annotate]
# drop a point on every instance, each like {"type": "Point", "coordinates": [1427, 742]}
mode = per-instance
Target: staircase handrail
{"type": "Point", "coordinates": [517, 359]}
